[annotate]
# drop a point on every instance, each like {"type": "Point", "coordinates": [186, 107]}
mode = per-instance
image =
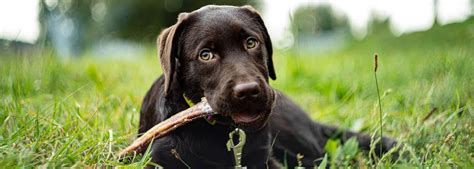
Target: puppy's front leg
{"type": "Point", "coordinates": [149, 114]}
{"type": "Point", "coordinates": [364, 140]}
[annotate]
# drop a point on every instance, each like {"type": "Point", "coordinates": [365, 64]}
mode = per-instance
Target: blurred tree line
{"type": "Point", "coordinates": [316, 19]}
{"type": "Point", "coordinates": [318, 28]}
{"type": "Point", "coordinates": [71, 26]}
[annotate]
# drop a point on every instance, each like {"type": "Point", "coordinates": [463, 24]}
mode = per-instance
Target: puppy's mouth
{"type": "Point", "coordinates": [250, 114]}
{"type": "Point", "coordinates": [245, 118]}
{"type": "Point", "coordinates": [250, 120]}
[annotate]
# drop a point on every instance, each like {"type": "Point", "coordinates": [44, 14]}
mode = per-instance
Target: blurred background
{"type": "Point", "coordinates": [126, 28]}
{"type": "Point", "coordinates": [73, 74]}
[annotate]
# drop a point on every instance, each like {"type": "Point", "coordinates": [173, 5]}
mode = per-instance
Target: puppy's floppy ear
{"type": "Point", "coordinates": [266, 38]}
{"type": "Point", "coordinates": [168, 48]}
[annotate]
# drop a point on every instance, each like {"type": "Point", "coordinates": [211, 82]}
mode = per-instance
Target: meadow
{"type": "Point", "coordinates": [78, 112]}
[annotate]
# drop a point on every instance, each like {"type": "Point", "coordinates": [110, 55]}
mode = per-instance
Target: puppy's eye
{"type": "Point", "coordinates": [206, 55]}
{"type": "Point", "coordinates": [251, 43]}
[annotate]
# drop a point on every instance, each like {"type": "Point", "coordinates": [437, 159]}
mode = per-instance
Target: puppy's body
{"type": "Point", "coordinates": [198, 143]}
{"type": "Point", "coordinates": [224, 53]}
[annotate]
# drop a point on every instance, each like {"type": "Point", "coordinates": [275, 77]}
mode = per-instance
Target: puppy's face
{"type": "Point", "coordinates": [224, 54]}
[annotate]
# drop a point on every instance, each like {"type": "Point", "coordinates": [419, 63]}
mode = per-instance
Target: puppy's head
{"type": "Point", "coordinates": [225, 54]}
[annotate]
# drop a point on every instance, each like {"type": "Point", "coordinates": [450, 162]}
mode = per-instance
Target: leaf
{"type": "Point", "coordinates": [350, 148]}
{"type": "Point", "coordinates": [331, 147]}
{"type": "Point", "coordinates": [324, 162]}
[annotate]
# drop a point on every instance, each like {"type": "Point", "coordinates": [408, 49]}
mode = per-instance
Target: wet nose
{"type": "Point", "coordinates": [246, 90]}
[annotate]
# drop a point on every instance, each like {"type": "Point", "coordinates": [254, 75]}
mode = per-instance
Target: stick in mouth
{"type": "Point", "coordinates": [201, 109]}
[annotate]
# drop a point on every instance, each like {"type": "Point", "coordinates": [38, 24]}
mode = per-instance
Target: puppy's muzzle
{"type": "Point", "coordinates": [250, 102]}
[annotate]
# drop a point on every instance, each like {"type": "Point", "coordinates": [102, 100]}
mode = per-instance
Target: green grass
{"type": "Point", "coordinates": [80, 112]}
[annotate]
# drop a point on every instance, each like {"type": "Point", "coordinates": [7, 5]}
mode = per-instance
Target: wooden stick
{"type": "Point", "coordinates": [199, 110]}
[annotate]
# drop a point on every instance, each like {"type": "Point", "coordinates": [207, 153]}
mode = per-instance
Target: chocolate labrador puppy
{"type": "Point", "coordinates": [224, 53]}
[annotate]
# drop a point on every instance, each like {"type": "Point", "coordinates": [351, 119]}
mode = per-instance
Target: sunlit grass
{"type": "Point", "coordinates": [68, 112]}
{"type": "Point", "coordinates": [80, 112]}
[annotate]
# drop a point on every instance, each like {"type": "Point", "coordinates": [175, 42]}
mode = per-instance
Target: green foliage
{"type": "Point", "coordinates": [417, 72]}
{"type": "Point", "coordinates": [340, 156]}
{"type": "Point", "coordinates": [80, 112]}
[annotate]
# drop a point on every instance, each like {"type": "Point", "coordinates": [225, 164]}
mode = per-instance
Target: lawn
{"type": "Point", "coordinates": [79, 112]}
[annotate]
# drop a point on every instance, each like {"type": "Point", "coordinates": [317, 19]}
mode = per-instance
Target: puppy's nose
{"type": "Point", "coordinates": [246, 90]}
